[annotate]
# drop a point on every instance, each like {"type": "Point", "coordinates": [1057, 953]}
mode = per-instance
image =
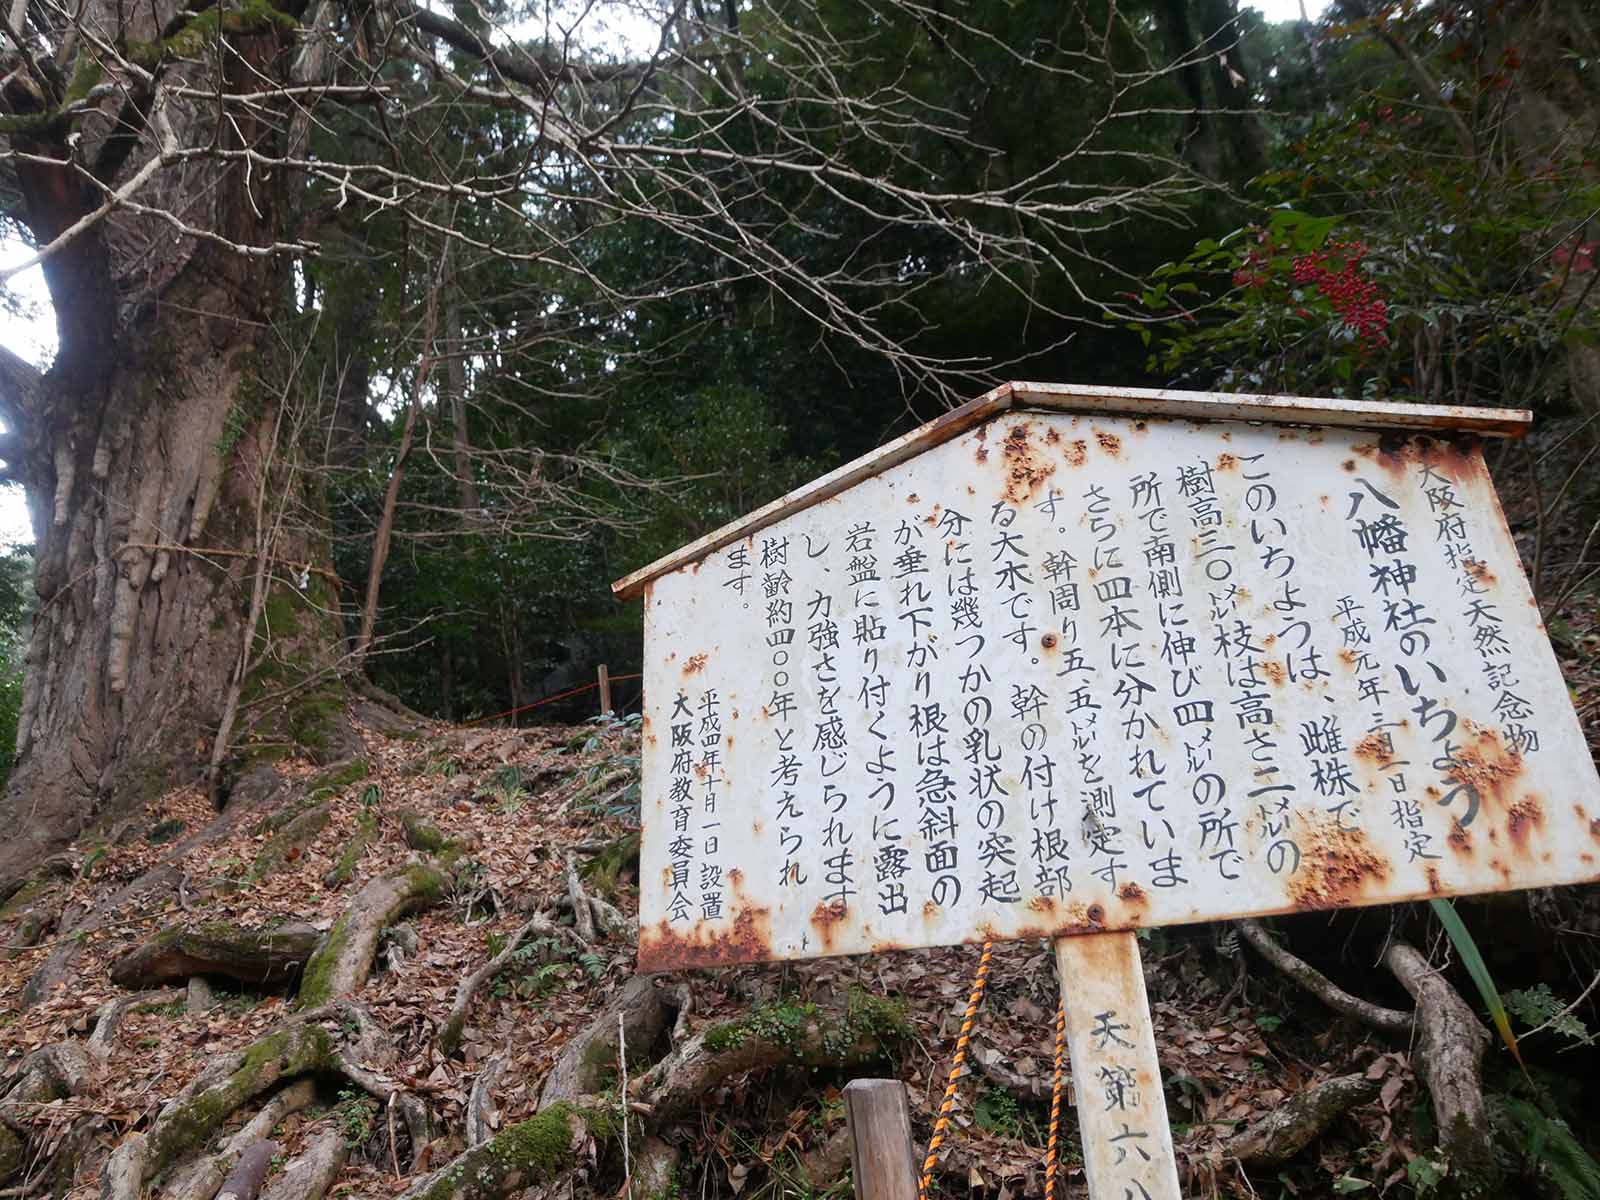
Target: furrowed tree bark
{"type": "Point", "coordinates": [138, 450]}
{"type": "Point", "coordinates": [1450, 1045]}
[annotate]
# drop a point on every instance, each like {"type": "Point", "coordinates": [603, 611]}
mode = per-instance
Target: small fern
{"type": "Point", "coordinates": [1553, 1151]}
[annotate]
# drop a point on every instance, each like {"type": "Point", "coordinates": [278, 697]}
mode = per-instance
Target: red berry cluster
{"type": "Point", "coordinates": [1354, 297]}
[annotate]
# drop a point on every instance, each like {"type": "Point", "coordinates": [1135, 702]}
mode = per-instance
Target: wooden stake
{"type": "Point", "coordinates": [1122, 1114]}
{"type": "Point", "coordinates": [882, 1161]}
{"type": "Point", "coordinates": [605, 689]}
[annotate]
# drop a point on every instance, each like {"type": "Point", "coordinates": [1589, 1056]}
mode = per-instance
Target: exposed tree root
{"type": "Point", "coordinates": [1299, 1121]}
{"type": "Point", "coordinates": [108, 1018]}
{"type": "Point", "coordinates": [1319, 985]}
{"type": "Point", "coordinates": [653, 1166]}
{"type": "Point", "coordinates": [163, 877]}
{"type": "Point", "coordinates": [482, 1115]}
{"type": "Point", "coordinates": [30, 930]}
{"type": "Point", "coordinates": [199, 997]}
{"type": "Point", "coordinates": [590, 1057]}
{"type": "Point", "coordinates": [199, 1180]}
{"type": "Point", "coordinates": [250, 1172]}
{"type": "Point", "coordinates": [420, 834]}
{"type": "Point", "coordinates": [221, 1089]}
{"type": "Point", "coordinates": [799, 1035]}
{"type": "Point", "coordinates": [255, 956]}
{"type": "Point", "coordinates": [825, 1163]}
{"type": "Point", "coordinates": [344, 960]}
{"type": "Point", "coordinates": [582, 916]}
{"type": "Point", "coordinates": [13, 1153]}
{"type": "Point", "coordinates": [450, 1034]}
{"type": "Point", "coordinates": [355, 850]}
{"type": "Point", "coordinates": [539, 1150]}
{"type": "Point", "coordinates": [994, 1066]}
{"type": "Point", "coordinates": [1450, 1046]}
{"type": "Point", "coordinates": [288, 842]}
{"type": "Point", "coordinates": [311, 1174]}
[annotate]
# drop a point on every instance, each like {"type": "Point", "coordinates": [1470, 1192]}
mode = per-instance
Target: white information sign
{"type": "Point", "coordinates": [1063, 674]}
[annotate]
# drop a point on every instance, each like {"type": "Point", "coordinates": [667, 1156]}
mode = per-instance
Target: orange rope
{"type": "Point", "coordinates": [583, 687]}
{"type": "Point", "coordinates": [1050, 1157]}
{"type": "Point", "coordinates": [955, 1072]}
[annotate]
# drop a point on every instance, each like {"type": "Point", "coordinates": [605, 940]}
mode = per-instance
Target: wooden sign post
{"type": "Point", "coordinates": [1122, 1111]}
{"type": "Point", "coordinates": [1070, 662]}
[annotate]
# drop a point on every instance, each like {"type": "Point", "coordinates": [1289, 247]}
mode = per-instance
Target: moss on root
{"type": "Point", "coordinates": [186, 1128]}
{"type": "Point", "coordinates": [867, 1018]}
{"type": "Point", "coordinates": [22, 898]}
{"type": "Point", "coordinates": [337, 777]}
{"type": "Point", "coordinates": [423, 887]}
{"type": "Point", "coordinates": [538, 1150]}
{"type": "Point", "coordinates": [355, 850]}
{"type": "Point", "coordinates": [316, 985]}
{"type": "Point", "coordinates": [423, 835]}
{"type": "Point", "coordinates": [288, 841]}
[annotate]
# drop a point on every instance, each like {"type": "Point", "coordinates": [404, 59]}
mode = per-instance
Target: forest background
{"type": "Point", "coordinates": [389, 335]}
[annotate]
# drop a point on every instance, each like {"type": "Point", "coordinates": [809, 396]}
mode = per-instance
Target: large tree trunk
{"type": "Point", "coordinates": [142, 450]}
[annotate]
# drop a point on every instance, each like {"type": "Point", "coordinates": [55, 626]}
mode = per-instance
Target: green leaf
{"type": "Point", "coordinates": [1349, 1183]}
{"type": "Point", "coordinates": [1472, 959]}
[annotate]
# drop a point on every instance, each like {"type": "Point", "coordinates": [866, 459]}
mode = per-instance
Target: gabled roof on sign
{"type": "Point", "coordinates": [1063, 397]}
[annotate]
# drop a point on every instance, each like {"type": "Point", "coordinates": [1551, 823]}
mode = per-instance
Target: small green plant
{"type": "Point", "coordinates": [371, 795]}
{"type": "Point", "coordinates": [505, 788]}
{"type": "Point", "coordinates": [1550, 1147]}
{"type": "Point", "coordinates": [1538, 1006]}
{"type": "Point", "coordinates": [998, 1112]}
{"type": "Point", "coordinates": [594, 965]}
{"type": "Point", "coordinates": [533, 970]}
{"type": "Point", "coordinates": [1425, 1174]}
{"type": "Point", "coordinates": [1269, 1023]}
{"type": "Point", "coordinates": [172, 1008]}
{"type": "Point", "coordinates": [355, 1113]}
{"type": "Point", "coordinates": [165, 831]}
{"type": "Point", "coordinates": [89, 864]}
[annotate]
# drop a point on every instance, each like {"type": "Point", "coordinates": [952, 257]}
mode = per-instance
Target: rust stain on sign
{"type": "Point", "coordinates": [1338, 867]}
{"type": "Point", "coordinates": [748, 939]}
{"type": "Point", "coordinates": [1027, 466]}
{"type": "Point", "coordinates": [983, 691]}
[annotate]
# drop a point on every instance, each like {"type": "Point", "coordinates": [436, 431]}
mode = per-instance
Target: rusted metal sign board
{"type": "Point", "coordinates": [1050, 673]}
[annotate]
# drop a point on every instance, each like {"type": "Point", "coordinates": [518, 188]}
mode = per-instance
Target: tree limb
{"type": "Point", "coordinates": [1450, 1045]}
{"type": "Point", "coordinates": [1296, 1123]}
{"type": "Point", "coordinates": [1319, 985]}
{"type": "Point", "coordinates": [21, 386]}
